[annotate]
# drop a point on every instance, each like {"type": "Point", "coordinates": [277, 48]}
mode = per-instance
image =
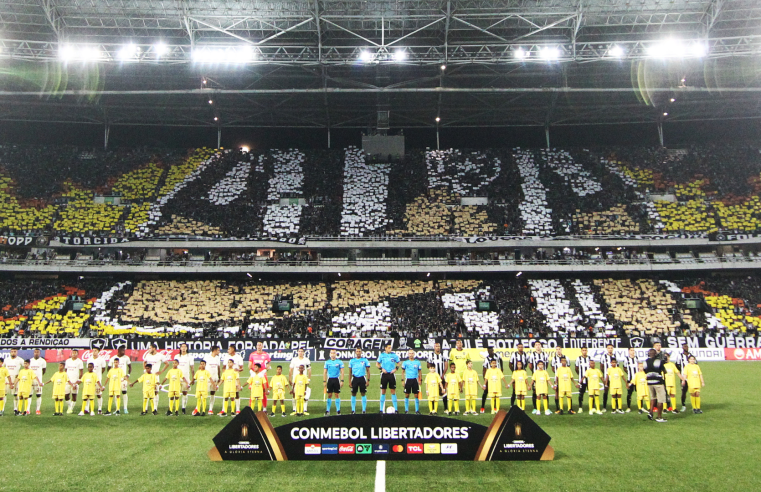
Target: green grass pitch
{"type": "Point", "coordinates": [714, 451]}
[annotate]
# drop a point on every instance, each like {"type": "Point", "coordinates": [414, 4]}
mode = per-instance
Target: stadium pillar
{"type": "Point", "coordinates": [660, 132]}
{"type": "Point", "coordinates": [219, 136]}
{"type": "Point", "coordinates": [328, 137]}
{"type": "Point", "coordinates": [547, 135]}
{"type": "Point", "coordinates": [438, 146]}
{"type": "Point", "coordinates": [106, 132]}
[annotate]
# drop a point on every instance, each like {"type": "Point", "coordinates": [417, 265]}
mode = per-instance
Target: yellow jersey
{"type": "Point", "coordinates": [300, 383]}
{"type": "Point", "coordinates": [564, 377]}
{"type": "Point", "coordinates": [3, 379]}
{"type": "Point", "coordinates": [616, 377]}
{"type": "Point", "coordinates": [24, 380]}
{"type": "Point", "coordinates": [149, 381]}
{"type": "Point", "coordinates": [115, 377]}
{"type": "Point", "coordinates": [452, 382]}
{"type": "Point", "coordinates": [278, 383]}
{"type": "Point", "coordinates": [493, 378]}
{"type": "Point", "coordinates": [693, 373]}
{"type": "Point", "coordinates": [594, 376]}
{"type": "Point", "coordinates": [470, 382]}
{"type": "Point", "coordinates": [671, 372]}
{"type": "Point", "coordinates": [541, 382]}
{"type": "Point", "coordinates": [174, 378]}
{"type": "Point", "coordinates": [202, 381]}
{"type": "Point", "coordinates": [519, 378]}
{"type": "Point", "coordinates": [432, 382]}
{"type": "Point", "coordinates": [256, 383]}
{"type": "Point", "coordinates": [460, 359]}
{"type": "Point", "coordinates": [89, 383]}
{"type": "Point", "coordinates": [640, 380]}
{"type": "Point", "coordinates": [230, 377]}
{"type": "Point", "coordinates": [60, 380]}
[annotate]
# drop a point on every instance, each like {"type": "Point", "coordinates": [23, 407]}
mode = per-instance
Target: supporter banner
{"type": "Point", "coordinates": [742, 354]}
{"type": "Point", "coordinates": [726, 236]}
{"type": "Point", "coordinates": [240, 344]}
{"type": "Point", "coordinates": [647, 237]}
{"type": "Point", "coordinates": [39, 342]}
{"type": "Point", "coordinates": [391, 437]}
{"type": "Point", "coordinates": [89, 240]}
{"type": "Point", "coordinates": [23, 241]}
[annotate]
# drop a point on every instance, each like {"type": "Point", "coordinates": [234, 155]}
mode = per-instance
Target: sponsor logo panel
{"type": "Point", "coordinates": [415, 448]}
{"type": "Point", "coordinates": [346, 449]}
{"type": "Point", "coordinates": [312, 449]}
{"type": "Point", "coordinates": [330, 449]}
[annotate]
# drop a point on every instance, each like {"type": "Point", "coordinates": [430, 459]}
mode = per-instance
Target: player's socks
{"type": "Point", "coordinates": [430, 406]}
{"type": "Point", "coordinates": [697, 402]}
{"type": "Point", "coordinates": [306, 404]}
{"type": "Point", "coordinates": [394, 402]}
{"type": "Point", "coordinates": [692, 402]}
{"type": "Point", "coordinates": [282, 406]}
{"type": "Point", "coordinates": [338, 404]}
{"type": "Point", "coordinates": [260, 405]}
{"type": "Point", "coordinates": [237, 405]}
{"type": "Point", "coordinates": [353, 403]}
{"type": "Point", "coordinates": [364, 403]}
{"type": "Point", "coordinates": [383, 402]}
{"type": "Point", "coordinates": [406, 404]}
{"type": "Point", "coordinates": [124, 401]}
{"type": "Point", "coordinates": [212, 400]}
{"type": "Point", "coordinates": [457, 406]}
{"type": "Point", "coordinates": [327, 406]}
{"type": "Point", "coordinates": [597, 403]}
{"type": "Point", "coordinates": [497, 401]}
{"type": "Point", "coordinates": [145, 404]}
{"type": "Point", "coordinates": [435, 406]}
{"type": "Point", "coordinates": [450, 405]}
{"type": "Point", "coordinates": [417, 404]}
{"type": "Point", "coordinates": [274, 407]}
{"type": "Point", "coordinates": [110, 403]}
{"type": "Point", "coordinates": [184, 401]}
{"type": "Point", "coordinates": [100, 403]}
{"type": "Point", "coordinates": [557, 404]}
{"type": "Point", "coordinates": [39, 402]}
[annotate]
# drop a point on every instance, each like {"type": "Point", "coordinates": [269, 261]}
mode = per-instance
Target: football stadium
{"type": "Point", "coordinates": [341, 245]}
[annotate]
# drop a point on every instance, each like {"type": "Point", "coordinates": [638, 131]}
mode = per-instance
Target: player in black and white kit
{"type": "Point", "coordinates": [630, 363]}
{"type": "Point", "coordinates": [605, 363]}
{"type": "Point", "coordinates": [681, 362]}
{"type": "Point", "coordinates": [521, 356]}
{"type": "Point", "coordinates": [490, 356]}
{"type": "Point", "coordinates": [440, 366]}
{"type": "Point", "coordinates": [582, 365]}
{"type": "Point", "coordinates": [555, 363]}
{"type": "Point", "coordinates": [537, 356]}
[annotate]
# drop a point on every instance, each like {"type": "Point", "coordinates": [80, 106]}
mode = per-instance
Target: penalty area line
{"type": "Point", "coordinates": [380, 476]}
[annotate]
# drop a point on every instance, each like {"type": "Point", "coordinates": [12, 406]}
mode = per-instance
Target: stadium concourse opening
{"type": "Point", "coordinates": [382, 234]}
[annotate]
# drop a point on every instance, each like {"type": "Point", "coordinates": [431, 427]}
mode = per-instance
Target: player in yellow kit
{"type": "Point", "coordinates": [277, 384]}
{"type": "Point", "coordinates": [615, 382]}
{"type": "Point", "coordinates": [519, 381]}
{"type": "Point", "coordinates": [59, 380]}
{"type": "Point", "coordinates": [300, 385]}
{"type": "Point", "coordinates": [594, 377]}
{"type": "Point", "coordinates": [564, 384]}
{"type": "Point", "coordinates": [176, 380]}
{"type": "Point", "coordinates": [257, 384]}
{"type": "Point", "coordinates": [694, 382]}
{"type": "Point", "coordinates": [672, 373]}
{"type": "Point", "coordinates": [90, 385]}
{"type": "Point", "coordinates": [150, 382]}
{"type": "Point", "coordinates": [470, 385]}
{"type": "Point", "coordinates": [453, 383]}
{"type": "Point", "coordinates": [115, 377]}
{"type": "Point", "coordinates": [540, 381]}
{"type": "Point", "coordinates": [26, 377]}
{"type": "Point", "coordinates": [434, 388]}
{"type": "Point", "coordinates": [640, 383]}
{"type": "Point", "coordinates": [230, 388]}
{"type": "Point", "coordinates": [493, 381]}
{"type": "Point", "coordinates": [5, 378]}
{"type": "Point", "coordinates": [202, 379]}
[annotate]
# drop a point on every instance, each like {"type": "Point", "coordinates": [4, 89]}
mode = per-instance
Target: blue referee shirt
{"type": "Point", "coordinates": [388, 362]}
{"type": "Point", "coordinates": [334, 368]}
{"type": "Point", "coordinates": [359, 367]}
{"type": "Point", "coordinates": [411, 368]}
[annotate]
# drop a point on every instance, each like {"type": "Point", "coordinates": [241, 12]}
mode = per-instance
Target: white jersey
{"type": "Point", "coordinates": [99, 363]}
{"type": "Point", "coordinates": [186, 362]}
{"type": "Point", "coordinates": [154, 360]}
{"type": "Point", "coordinates": [237, 361]}
{"type": "Point", "coordinates": [72, 368]}
{"type": "Point", "coordinates": [124, 363]}
{"type": "Point", "coordinates": [38, 365]}
{"type": "Point", "coordinates": [296, 362]}
{"type": "Point", "coordinates": [14, 366]}
{"type": "Point", "coordinates": [212, 365]}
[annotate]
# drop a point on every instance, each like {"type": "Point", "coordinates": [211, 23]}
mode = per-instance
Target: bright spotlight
{"type": "Point", "coordinates": [519, 274]}
{"type": "Point", "coordinates": [669, 48]}
{"type": "Point", "coordinates": [549, 53]}
{"type": "Point", "coordinates": [230, 55]}
{"type": "Point", "coordinates": [80, 53]}
{"type": "Point", "coordinates": [443, 67]}
{"type": "Point", "coordinates": [366, 56]}
{"type": "Point", "coordinates": [160, 49]}
{"type": "Point", "coordinates": [216, 118]}
{"type": "Point", "coordinates": [400, 55]}
{"type": "Point", "coordinates": [520, 54]}
{"type": "Point", "coordinates": [211, 101]}
{"type": "Point", "coordinates": [438, 119]}
{"type": "Point", "coordinates": [245, 149]}
{"type": "Point", "coordinates": [616, 51]}
{"type": "Point", "coordinates": [128, 52]}
{"type": "Point", "coordinates": [698, 49]}
{"type": "Point", "coordinates": [672, 99]}
{"type": "Point", "coordinates": [665, 114]}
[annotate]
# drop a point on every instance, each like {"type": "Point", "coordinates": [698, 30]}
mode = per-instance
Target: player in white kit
{"type": "Point", "coordinates": [155, 359]}
{"type": "Point", "coordinates": [125, 364]}
{"type": "Point", "coordinates": [300, 360]}
{"type": "Point", "coordinates": [213, 365]}
{"type": "Point", "coordinates": [38, 365]}
{"type": "Point", "coordinates": [14, 364]}
{"type": "Point", "coordinates": [74, 369]}
{"type": "Point", "coordinates": [238, 366]}
{"type": "Point", "coordinates": [186, 363]}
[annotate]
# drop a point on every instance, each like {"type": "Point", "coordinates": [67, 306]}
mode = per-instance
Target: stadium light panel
{"type": "Point", "coordinates": [675, 48]}
{"type": "Point", "coordinates": [549, 53]}
{"type": "Point", "coordinates": [438, 119]}
{"type": "Point", "coordinates": [520, 54]}
{"type": "Point", "coordinates": [400, 55]}
{"type": "Point", "coordinates": [698, 49]}
{"type": "Point", "coordinates": [616, 51]}
{"type": "Point", "coordinates": [365, 56]}
{"type": "Point", "coordinates": [229, 55]}
{"type": "Point", "coordinates": [82, 53]}
{"type": "Point", "coordinates": [160, 49]}
{"type": "Point", "coordinates": [128, 52]}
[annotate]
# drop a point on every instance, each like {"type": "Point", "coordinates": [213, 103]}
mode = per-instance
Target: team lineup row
{"type": "Point", "coordinates": [448, 378]}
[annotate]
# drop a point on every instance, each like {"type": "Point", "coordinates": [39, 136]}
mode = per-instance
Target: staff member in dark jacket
{"type": "Point", "coordinates": [654, 368]}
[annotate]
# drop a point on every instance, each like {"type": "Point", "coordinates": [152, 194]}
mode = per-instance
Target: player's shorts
{"type": "Point", "coordinates": [214, 384]}
{"type": "Point", "coordinates": [453, 396]}
{"type": "Point", "coordinates": [657, 392]}
{"type": "Point", "coordinates": [564, 392]}
{"type": "Point", "coordinates": [88, 395]}
{"type": "Point", "coordinates": [594, 392]}
{"type": "Point", "coordinates": [411, 386]}
{"type": "Point", "coordinates": [358, 383]}
{"type": "Point", "coordinates": [307, 393]}
{"type": "Point", "coordinates": [671, 390]}
{"type": "Point", "coordinates": [174, 393]}
{"type": "Point", "coordinates": [11, 389]}
{"type": "Point", "coordinates": [433, 397]}
{"type": "Point", "coordinates": [148, 394]}
{"type": "Point", "coordinates": [692, 389]}
{"type": "Point", "coordinates": [616, 391]}
{"type": "Point", "coordinates": [334, 385]}
{"type": "Point", "coordinates": [114, 391]}
{"type": "Point", "coordinates": [23, 394]}
{"type": "Point", "coordinates": [278, 394]}
{"type": "Point", "coordinates": [72, 389]}
{"type": "Point", "coordinates": [259, 395]}
{"type": "Point", "coordinates": [520, 392]}
{"type": "Point", "coordinates": [56, 396]}
{"type": "Point", "coordinates": [99, 390]}
{"type": "Point", "coordinates": [125, 385]}
{"type": "Point", "coordinates": [2, 391]}
{"type": "Point", "coordinates": [229, 394]}
{"type": "Point", "coordinates": [36, 388]}
{"type": "Point", "coordinates": [388, 380]}
{"type": "Point", "coordinates": [202, 394]}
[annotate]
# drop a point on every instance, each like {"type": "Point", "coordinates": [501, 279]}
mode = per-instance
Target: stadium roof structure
{"type": "Point", "coordinates": [343, 63]}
